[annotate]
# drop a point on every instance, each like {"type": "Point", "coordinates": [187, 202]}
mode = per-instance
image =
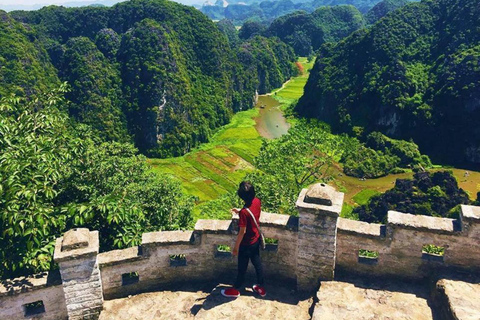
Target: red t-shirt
{"type": "Point", "coordinates": [245, 220]}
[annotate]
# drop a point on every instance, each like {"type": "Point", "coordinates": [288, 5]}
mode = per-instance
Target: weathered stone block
{"type": "Point", "coordinates": [75, 239]}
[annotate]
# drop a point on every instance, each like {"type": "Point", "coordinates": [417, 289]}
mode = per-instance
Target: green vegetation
{"type": "Point", "coordinates": [216, 167]}
{"type": "Point", "coordinates": [271, 241]}
{"type": "Point", "coordinates": [432, 194]}
{"type": "Point", "coordinates": [364, 196]}
{"type": "Point", "coordinates": [153, 72]}
{"type": "Point", "coordinates": [433, 249]}
{"type": "Point", "coordinates": [306, 32]}
{"type": "Point", "coordinates": [24, 65]}
{"type": "Point", "coordinates": [224, 248]}
{"type": "Point", "coordinates": [367, 253]}
{"type": "Point", "coordinates": [305, 155]}
{"type": "Point", "coordinates": [56, 175]}
{"type": "Point", "coordinates": [289, 94]}
{"type": "Point", "coordinates": [95, 93]}
{"type": "Point", "coordinates": [382, 155]}
{"type": "Point", "coordinates": [412, 75]}
{"type": "Point", "coordinates": [268, 60]}
{"type": "Point", "coordinates": [382, 8]}
{"type": "Point", "coordinates": [266, 11]}
{"type": "Point", "coordinates": [177, 257]}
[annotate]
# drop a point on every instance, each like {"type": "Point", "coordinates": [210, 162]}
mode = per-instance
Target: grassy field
{"type": "Point", "coordinates": [293, 90]}
{"type": "Point", "coordinates": [218, 166]}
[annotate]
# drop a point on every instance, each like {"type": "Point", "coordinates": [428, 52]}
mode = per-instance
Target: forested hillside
{"type": "Point", "coordinates": [307, 32]}
{"type": "Point", "coordinates": [413, 75]}
{"type": "Point", "coordinates": [25, 67]}
{"type": "Point", "coordinates": [266, 11]}
{"type": "Point", "coordinates": [382, 8]}
{"type": "Point", "coordinates": [150, 71]}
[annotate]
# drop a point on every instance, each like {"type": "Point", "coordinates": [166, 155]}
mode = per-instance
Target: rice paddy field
{"type": "Point", "coordinates": [217, 167]}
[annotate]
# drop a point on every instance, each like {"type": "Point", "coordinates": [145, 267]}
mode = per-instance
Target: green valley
{"type": "Point", "coordinates": [215, 168]}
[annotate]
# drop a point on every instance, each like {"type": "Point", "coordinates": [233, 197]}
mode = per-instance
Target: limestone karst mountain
{"type": "Point", "coordinates": [413, 75]}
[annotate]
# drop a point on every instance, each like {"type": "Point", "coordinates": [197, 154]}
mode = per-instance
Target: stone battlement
{"type": "Point", "coordinates": [310, 248]}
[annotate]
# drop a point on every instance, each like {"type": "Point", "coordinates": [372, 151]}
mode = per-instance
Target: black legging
{"type": "Point", "coordinates": [245, 253]}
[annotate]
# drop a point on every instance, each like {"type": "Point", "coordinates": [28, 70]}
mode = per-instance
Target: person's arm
{"type": "Point", "coordinates": [242, 229]}
{"type": "Point", "coordinates": [241, 233]}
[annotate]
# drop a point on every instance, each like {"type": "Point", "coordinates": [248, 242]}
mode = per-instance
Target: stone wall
{"type": "Point", "coordinates": [318, 209]}
{"type": "Point", "coordinates": [150, 266]}
{"type": "Point", "coordinates": [399, 244]}
{"type": "Point", "coordinates": [17, 298]}
{"type": "Point", "coordinates": [310, 248]}
{"type": "Point", "coordinates": [76, 254]}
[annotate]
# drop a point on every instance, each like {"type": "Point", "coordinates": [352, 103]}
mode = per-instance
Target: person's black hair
{"type": "Point", "coordinates": [246, 192]}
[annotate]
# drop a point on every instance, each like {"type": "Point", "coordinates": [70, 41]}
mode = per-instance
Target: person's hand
{"type": "Point", "coordinates": [235, 251]}
{"type": "Point", "coordinates": [234, 210]}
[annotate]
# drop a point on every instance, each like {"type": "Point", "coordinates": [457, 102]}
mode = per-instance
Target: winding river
{"type": "Point", "coordinates": [270, 122]}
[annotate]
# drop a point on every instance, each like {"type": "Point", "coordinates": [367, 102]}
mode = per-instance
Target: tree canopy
{"type": "Point", "coordinates": [56, 175]}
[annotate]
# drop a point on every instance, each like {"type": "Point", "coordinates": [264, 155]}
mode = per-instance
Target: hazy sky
{"type": "Point", "coordinates": [35, 4]}
{"type": "Point", "coordinates": [30, 2]}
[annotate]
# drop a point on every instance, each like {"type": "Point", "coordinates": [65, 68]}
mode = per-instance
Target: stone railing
{"type": "Point", "coordinates": [310, 249]}
{"type": "Point", "coordinates": [153, 264]}
{"type": "Point", "coordinates": [400, 241]}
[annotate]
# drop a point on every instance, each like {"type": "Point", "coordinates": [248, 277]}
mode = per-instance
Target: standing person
{"type": "Point", "coordinates": [247, 246]}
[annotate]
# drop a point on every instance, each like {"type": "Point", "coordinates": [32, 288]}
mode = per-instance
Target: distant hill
{"type": "Point", "coordinates": [25, 68]}
{"type": "Point", "coordinates": [413, 75]}
{"type": "Point", "coordinates": [306, 32]}
{"type": "Point", "coordinates": [151, 71]}
{"type": "Point", "coordinates": [37, 6]}
{"type": "Point", "coordinates": [268, 10]}
{"type": "Point", "coordinates": [382, 8]}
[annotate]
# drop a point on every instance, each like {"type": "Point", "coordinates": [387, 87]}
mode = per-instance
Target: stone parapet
{"type": "Point", "coordinates": [307, 249]}
{"type": "Point", "coordinates": [151, 265]}
{"type": "Point", "coordinates": [399, 245]}
{"type": "Point", "coordinates": [76, 254]}
{"type": "Point", "coordinates": [318, 209]}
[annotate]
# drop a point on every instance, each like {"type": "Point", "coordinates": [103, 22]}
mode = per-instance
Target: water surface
{"type": "Point", "coordinates": [270, 122]}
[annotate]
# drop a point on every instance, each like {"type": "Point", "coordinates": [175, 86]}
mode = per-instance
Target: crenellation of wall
{"type": "Point", "coordinates": [151, 260]}
{"type": "Point", "coordinates": [76, 254]}
{"type": "Point", "coordinates": [318, 208]}
{"type": "Point", "coordinates": [400, 245]}
{"type": "Point", "coordinates": [46, 287]}
{"type": "Point", "coordinates": [311, 247]}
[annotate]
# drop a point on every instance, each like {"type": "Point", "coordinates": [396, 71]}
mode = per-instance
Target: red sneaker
{"type": "Point", "coordinates": [230, 293]}
{"type": "Point", "coordinates": [260, 290]}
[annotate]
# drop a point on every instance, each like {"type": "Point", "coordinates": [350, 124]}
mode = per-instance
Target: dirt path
{"type": "Point", "coordinates": [283, 87]}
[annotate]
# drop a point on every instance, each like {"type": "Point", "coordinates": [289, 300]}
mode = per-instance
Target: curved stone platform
{"type": "Point", "coordinates": [206, 302]}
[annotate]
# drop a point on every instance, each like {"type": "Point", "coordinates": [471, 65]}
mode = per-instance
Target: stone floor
{"type": "Point", "coordinates": [462, 298]}
{"type": "Point", "coordinates": [206, 302]}
{"type": "Point", "coordinates": [379, 300]}
{"type": "Point", "coordinates": [344, 299]}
